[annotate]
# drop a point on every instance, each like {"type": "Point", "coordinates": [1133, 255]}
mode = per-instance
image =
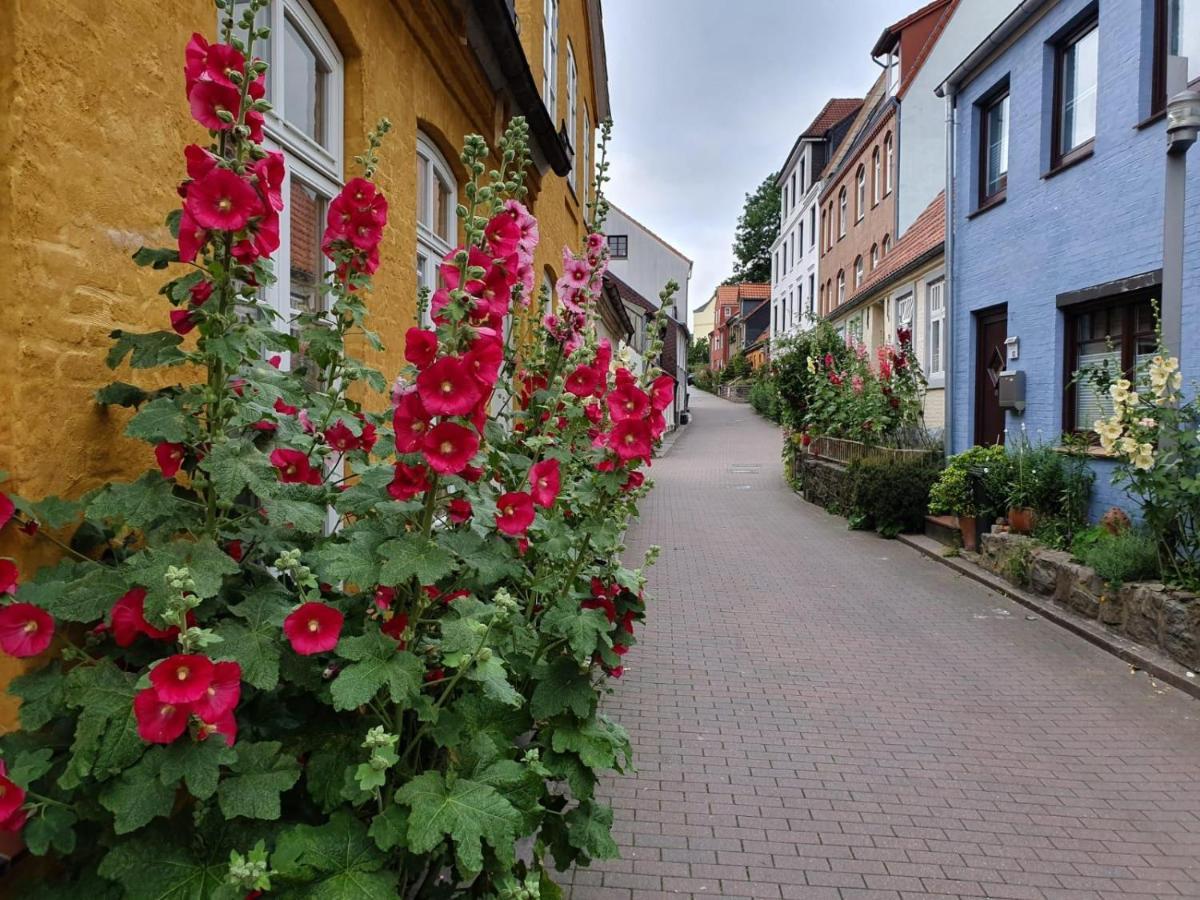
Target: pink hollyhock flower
{"type": "Point", "coordinates": [544, 482]}
{"type": "Point", "coordinates": [526, 224]}
{"type": "Point", "coordinates": [447, 387]}
{"type": "Point", "coordinates": [662, 392]}
{"type": "Point", "coordinates": [294, 467]}
{"type": "Point", "coordinates": [459, 511]}
{"type": "Point", "coordinates": [452, 277]}
{"type": "Point", "coordinates": [631, 439]}
{"type": "Point", "coordinates": [829, 360]}
{"type": "Point", "coordinates": [7, 509]}
{"type": "Point", "coordinates": [857, 384]}
{"type": "Point", "coordinates": [223, 201]}
{"type": "Point", "coordinates": [195, 55]}
{"type": "Point", "coordinates": [12, 796]}
{"type": "Point", "coordinates": [603, 355]}
{"type": "Point", "coordinates": [449, 447]}
{"type": "Point", "coordinates": [340, 437]}
{"type": "Point", "coordinates": [582, 381]}
{"type": "Point", "coordinates": [222, 694]}
{"type": "Point", "coordinates": [514, 513]}
{"type": "Point", "coordinates": [658, 424]}
{"type": "Point", "coordinates": [182, 320]}
{"type": "Point", "coordinates": [835, 379]}
{"type": "Point", "coordinates": [594, 412]}
{"type": "Point", "coordinates": [159, 722]}
{"type": "Point", "coordinates": [408, 481]}
{"type": "Point", "coordinates": [410, 422]}
{"type": "Point", "coordinates": [128, 620]}
{"type": "Point", "coordinates": [904, 336]}
{"type": "Point", "coordinates": [484, 360]}
{"type": "Point", "coordinates": [525, 278]}
{"type": "Point", "coordinates": [313, 628]}
{"type": "Point", "coordinates": [25, 629]}
{"type": "Point", "coordinates": [169, 457]}
{"type": "Point", "coordinates": [384, 597]}
{"type": "Point", "coordinates": [576, 271]}
{"type": "Point", "coordinates": [420, 346]}
{"type": "Point", "coordinates": [270, 172]}
{"type": "Point", "coordinates": [199, 161]}
{"type": "Point", "coordinates": [182, 678]}
{"type": "Point", "coordinates": [595, 244]}
{"type": "Point", "coordinates": [224, 725]}
{"type": "Point", "coordinates": [627, 402]}
{"type": "Point", "coordinates": [200, 292]}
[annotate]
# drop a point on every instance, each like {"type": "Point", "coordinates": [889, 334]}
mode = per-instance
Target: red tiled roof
{"type": "Point", "coordinates": [926, 233]}
{"type": "Point", "coordinates": [832, 113]}
{"type": "Point", "coordinates": [927, 47]}
{"type": "Point", "coordinates": [751, 291]}
{"type": "Point", "coordinates": [895, 28]}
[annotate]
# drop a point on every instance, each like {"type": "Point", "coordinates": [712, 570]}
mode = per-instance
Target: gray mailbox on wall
{"type": "Point", "coordinates": [1012, 390]}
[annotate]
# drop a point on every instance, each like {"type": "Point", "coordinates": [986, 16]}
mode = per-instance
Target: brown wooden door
{"type": "Point", "coordinates": [990, 354]}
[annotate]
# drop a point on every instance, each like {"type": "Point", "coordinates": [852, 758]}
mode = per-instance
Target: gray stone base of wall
{"type": "Point", "coordinates": [1147, 612]}
{"type": "Point", "coordinates": [825, 483]}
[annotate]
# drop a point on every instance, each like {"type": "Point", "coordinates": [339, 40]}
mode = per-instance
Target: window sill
{"type": "Point", "coordinates": [1077, 156]}
{"type": "Point", "coordinates": [1152, 119]}
{"type": "Point", "coordinates": [1092, 452]}
{"type": "Point", "coordinates": [990, 203]}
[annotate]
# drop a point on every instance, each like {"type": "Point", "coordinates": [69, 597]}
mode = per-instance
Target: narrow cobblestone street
{"type": "Point", "coordinates": [821, 713]}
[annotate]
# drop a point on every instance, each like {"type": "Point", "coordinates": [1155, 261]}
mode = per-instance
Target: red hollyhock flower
{"type": "Point", "coordinates": [25, 629]}
{"type": "Point", "coordinates": [366, 440]}
{"type": "Point", "coordinates": [502, 235]}
{"type": "Point", "coordinates": [159, 722]}
{"type": "Point", "coordinates": [449, 447]}
{"type": "Point", "coordinates": [285, 409]}
{"type": "Point", "coordinates": [544, 482]}
{"type": "Point", "coordinates": [340, 437]}
{"type": "Point", "coordinates": [408, 481]}
{"type": "Point", "coordinates": [313, 628]}
{"type": "Point", "coordinates": [223, 201]}
{"type": "Point", "coordinates": [471, 473]}
{"type": "Point", "coordinates": [182, 321]}
{"type": "Point", "coordinates": [514, 513]}
{"type": "Point", "coordinates": [12, 795]}
{"type": "Point", "coordinates": [631, 439]}
{"type": "Point", "coordinates": [627, 402]}
{"type": "Point", "coordinates": [662, 392]}
{"type": "Point", "coordinates": [200, 292]}
{"type": "Point", "coordinates": [394, 627]}
{"type": "Point", "coordinates": [294, 467]}
{"type": "Point", "coordinates": [191, 237]}
{"type": "Point", "coordinates": [7, 509]}
{"type": "Point", "coordinates": [633, 482]}
{"type": "Point", "coordinates": [235, 550]}
{"type": "Point", "coordinates": [435, 675]}
{"type": "Point", "coordinates": [604, 603]}
{"type": "Point", "coordinates": [459, 511]}
{"type": "Point", "coordinates": [222, 694]}
{"type": "Point", "coordinates": [484, 360]}
{"type": "Point", "coordinates": [208, 99]}
{"type": "Point", "coordinates": [420, 346]}
{"type": "Point", "coordinates": [224, 725]}
{"type": "Point", "coordinates": [582, 382]}
{"type": "Point", "coordinates": [170, 458]}
{"type": "Point", "coordinates": [410, 422]}
{"type": "Point", "coordinates": [9, 576]}
{"type": "Point", "coordinates": [447, 388]}
{"type": "Point", "coordinates": [128, 620]}
{"type": "Point", "coordinates": [182, 678]}
{"type": "Point", "coordinates": [270, 173]}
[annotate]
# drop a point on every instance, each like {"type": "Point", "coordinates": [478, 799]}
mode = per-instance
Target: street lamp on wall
{"type": "Point", "coordinates": [1183, 122]}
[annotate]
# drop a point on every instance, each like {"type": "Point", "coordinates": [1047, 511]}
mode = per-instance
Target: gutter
{"type": "Point", "coordinates": [948, 290]}
{"type": "Point", "coordinates": [892, 280]}
{"type": "Point", "coordinates": [1025, 11]}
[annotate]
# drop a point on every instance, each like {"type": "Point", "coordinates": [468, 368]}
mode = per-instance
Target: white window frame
{"type": "Point", "coordinates": [843, 202]}
{"type": "Point", "coordinates": [841, 286]}
{"type": "Point", "coordinates": [860, 192]}
{"type": "Point", "coordinates": [876, 176]}
{"type": "Point", "coordinates": [586, 141]}
{"type": "Point", "coordinates": [550, 58]}
{"type": "Point", "coordinates": [936, 289]}
{"type": "Point", "coordinates": [890, 157]}
{"type": "Point", "coordinates": [858, 271]}
{"type": "Point", "coordinates": [909, 302]}
{"type": "Point", "coordinates": [572, 114]}
{"type": "Point", "coordinates": [431, 245]}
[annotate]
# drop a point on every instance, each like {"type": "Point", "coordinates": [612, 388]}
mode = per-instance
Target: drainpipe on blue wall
{"type": "Point", "coordinates": [948, 320]}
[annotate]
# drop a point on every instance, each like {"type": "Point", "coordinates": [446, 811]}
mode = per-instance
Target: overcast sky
{"type": "Point", "coordinates": [708, 97]}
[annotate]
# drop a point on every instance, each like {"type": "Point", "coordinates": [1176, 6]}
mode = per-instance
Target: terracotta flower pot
{"type": "Point", "coordinates": [968, 528]}
{"type": "Point", "coordinates": [1022, 519]}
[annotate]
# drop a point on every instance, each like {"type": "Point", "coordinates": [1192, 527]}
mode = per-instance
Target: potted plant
{"type": "Point", "coordinates": [965, 489]}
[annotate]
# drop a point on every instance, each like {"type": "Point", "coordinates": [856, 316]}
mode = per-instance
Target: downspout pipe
{"type": "Point", "coordinates": [948, 356]}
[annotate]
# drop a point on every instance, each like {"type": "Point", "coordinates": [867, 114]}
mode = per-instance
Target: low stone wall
{"type": "Point", "coordinates": [738, 393]}
{"type": "Point", "coordinates": [827, 484]}
{"type": "Point", "coordinates": [1146, 612]}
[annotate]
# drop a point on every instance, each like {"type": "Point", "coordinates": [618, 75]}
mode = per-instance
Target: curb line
{"type": "Point", "coordinates": [1142, 657]}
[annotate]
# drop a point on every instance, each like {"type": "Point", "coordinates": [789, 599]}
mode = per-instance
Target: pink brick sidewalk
{"type": "Point", "coordinates": [821, 713]}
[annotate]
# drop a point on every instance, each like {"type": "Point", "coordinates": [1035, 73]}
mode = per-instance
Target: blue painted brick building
{"type": "Point", "coordinates": [1056, 210]}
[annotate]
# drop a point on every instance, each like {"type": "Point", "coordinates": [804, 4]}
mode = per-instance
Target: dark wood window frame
{"type": "Point", "coordinates": [1059, 159]}
{"type": "Point", "coordinates": [618, 246]}
{"type": "Point", "coordinates": [1129, 303]}
{"type": "Point", "coordinates": [1162, 37]}
{"type": "Point", "coordinates": [986, 104]}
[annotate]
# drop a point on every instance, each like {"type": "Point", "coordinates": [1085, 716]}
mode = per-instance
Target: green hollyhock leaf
{"type": "Point", "coordinates": [491, 559]}
{"type": "Point", "coordinates": [329, 774]}
{"type": "Point", "coordinates": [238, 465]}
{"type": "Point", "coordinates": [156, 257]}
{"type": "Point", "coordinates": [145, 351]}
{"type": "Point", "coordinates": [141, 504]}
{"type": "Point", "coordinates": [582, 628]}
{"type": "Point", "coordinates": [138, 796]}
{"type": "Point", "coordinates": [106, 738]}
{"type": "Point", "coordinates": [375, 663]}
{"type": "Point", "coordinates": [414, 556]}
{"type": "Point", "coordinates": [259, 776]}
{"type": "Point", "coordinates": [159, 420]}
{"type": "Point", "coordinates": [304, 516]}
{"type": "Point", "coordinates": [467, 812]}
{"type": "Point", "coordinates": [589, 828]}
{"type": "Point", "coordinates": [150, 867]}
{"type": "Point", "coordinates": [352, 559]}
{"type": "Point", "coordinates": [255, 642]}
{"type": "Point", "coordinates": [180, 289]}
{"type": "Point", "coordinates": [598, 743]}
{"type": "Point", "coordinates": [334, 861]}
{"type": "Point", "coordinates": [28, 766]}
{"type": "Point", "coordinates": [491, 676]}
{"type": "Point", "coordinates": [389, 829]}
{"type": "Point", "coordinates": [53, 828]}
{"type": "Point", "coordinates": [121, 393]}
{"type": "Point", "coordinates": [55, 512]}
{"type": "Point", "coordinates": [42, 694]}
{"type": "Point", "coordinates": [83, 597]}
{"type": "Point", "coordinates": [561, 687]}
{"type": "Point", "coordinates": [197, 763]}
{"type": "Point", "coordinates": [368, 493]}
{"type": "Point", "coordinates": [569, 768]}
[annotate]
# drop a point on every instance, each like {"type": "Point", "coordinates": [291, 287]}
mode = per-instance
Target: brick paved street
{"type": "Point", "coordinates": [821, 713]}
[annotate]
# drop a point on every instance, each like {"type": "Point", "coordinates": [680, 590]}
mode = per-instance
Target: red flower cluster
{"type": "Point", "coordinates": [354, 228]}
{"type": "Point", "coordinates": [622, 608]}
{"type": "Point", "coordinates": [215, 99]}
{"type": "Point", "coordinates": [187, 685]}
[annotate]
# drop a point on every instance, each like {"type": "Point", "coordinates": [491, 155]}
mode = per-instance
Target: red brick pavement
{"type": "Point", "coordinates": [820, 713]}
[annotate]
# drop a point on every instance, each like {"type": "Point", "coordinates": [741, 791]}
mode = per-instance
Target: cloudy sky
{"type": "Point", "coordinates": [708, 97]}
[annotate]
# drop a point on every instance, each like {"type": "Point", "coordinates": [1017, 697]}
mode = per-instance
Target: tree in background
{"type": "Point", "coordinates": [757, 228]}
{"type": "Point", "coordinates": [698, 353]}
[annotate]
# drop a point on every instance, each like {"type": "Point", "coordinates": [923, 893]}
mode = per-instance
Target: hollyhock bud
{"type": "Point", "coordinates": [447, 387]}
{"type": "Point", "coordinates": [294, 467]}
{"type": "Point", "coordinates": [25, 630]}
{"type": "Point", "coordinates": [222, 694]}
{"type": "Point", "coordinates": [9, 576]}
{"type": "Point", "coordinates": [223, 201]}
{"type": "Point", "coordinates": [158, 721]}
{"type": "Point", "coordinates": [544, 482]}
{"type": "Point", "coordinates": [182, 678]}
{"type": "Point", "coordinates": [420, 346]}
{"type": "Point", "coordinates": [313, 628]}
{"type": "Point", "coordinates": [340, 437]}
{"type": "Point", "coordinates": [448, 447]}
{"type": "Point", "coordinates": [408, 481]}
{"type": "Point", "coordinates": [459, 511]}
{"type": "Point", "coordinates": [170, 458]}
{"type": "Point", "coordinates": [514, 513]}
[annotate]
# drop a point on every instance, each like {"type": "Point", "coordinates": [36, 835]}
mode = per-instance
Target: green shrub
{"type": "Point", "coordinates": [974, 483]}
{"type": "Point", "coordinates": [891, 496]}
{"type": "Point", "coordinates": [1129, 555]}
{"type": "Point", "coordinates": [764, 397]}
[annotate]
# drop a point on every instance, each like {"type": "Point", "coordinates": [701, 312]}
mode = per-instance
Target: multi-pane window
{"type": "Point", "coordinates": [887, 244]}
{"type": "Point", "coordinates": [935, 294]}
{"type": "Point", "coordinates": [874, 256]}
{"type": "Point", "coordinates": [812, 226]}
{"type": "Point", "coordinates": [803, 167]}
{"type": "Point", "coordinates": [842, 213]}
{"type": "Point", "coordinates": [905, 312]}
{"type": "Point", "coordinates": [811, 291]}
{"type": "Point", "coordinates": [618, 246]}
{"type": "Point", "coordinates": [572, 101]}
{"type": "Point", "coordinates": [550, 57]}
{"type": "Point", "coordinates": [993, 143]}
{"type": "Point", "coordinates": [1118, 334]}
{"type": "Point", "coordinates": [800, 240]}
{"type": "Point", "coordinates": [860, 193]}
{"type": "Point", "coordinates": [1076, 75]}
{"type": "Point", "coordinates": [858, 271]}
{"type": "Point", "coordinates": [586, 140]}
{"type": "Point", "coordinates": [793, 191]}
{"type": "Point", "coordinates": [437, 196]}
{"type": "Point", "coordinates": [876, 179]}
{"type": "Point", "coordinates": [888, 159]}
{"type": "Point", "coordinates": [841, 287]}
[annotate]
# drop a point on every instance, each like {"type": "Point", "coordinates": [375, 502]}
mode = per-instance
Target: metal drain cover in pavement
{"type": "Point", "coordinates": [745, 468]}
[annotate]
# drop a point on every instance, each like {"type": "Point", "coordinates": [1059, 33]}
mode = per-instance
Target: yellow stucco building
{"type": "Point", "coordinates": [91, 144]}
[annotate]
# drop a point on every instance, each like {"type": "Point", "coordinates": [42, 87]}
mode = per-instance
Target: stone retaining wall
{"type": "Point", "coordinates": [738, 393]}
{"type": "Point", "coordinates": [827, 484]}
{"type": "Point", "coordinates": [1147, 612]}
